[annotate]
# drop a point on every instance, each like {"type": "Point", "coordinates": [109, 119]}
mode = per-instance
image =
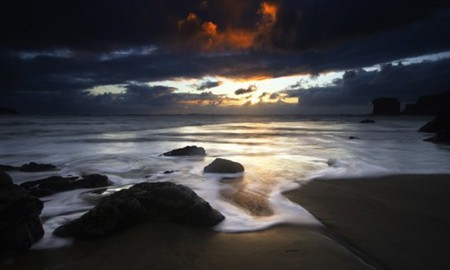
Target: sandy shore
{"type": "Point", "coordinates": [400, 222]}
{"type": "Point", "coordinates": [394, 222]}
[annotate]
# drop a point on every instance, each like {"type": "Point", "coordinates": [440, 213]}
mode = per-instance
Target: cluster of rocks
{"type": "Point", "coordinates": [425, 105]}
{"type": "Point", "coordinates": [29, 167]}
{"type": "Point", "coordinates": [20, 207]}
{"type": "Point", "coordinates": [437, 104]}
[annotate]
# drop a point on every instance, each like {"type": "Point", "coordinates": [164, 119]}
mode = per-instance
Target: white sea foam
{"type": "Point", "coordinates": [277, 152]}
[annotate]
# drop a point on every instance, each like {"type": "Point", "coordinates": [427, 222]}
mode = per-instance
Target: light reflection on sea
{"type": "Point", "coordinates": [277, 152]}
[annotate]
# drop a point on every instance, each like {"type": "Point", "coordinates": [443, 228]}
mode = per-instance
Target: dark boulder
{"type": "Point", "coordinates": [187, 151]}
{"type": "Point", "coordinates": [367, 121]}
{"type": "Point", "coordinates": [54, 184]}
{"type": "Point", "coordinates": [440, 122]}
{"type": "Point", "coordinates": [155, 202]}
{"type": "Point", "coordinates": [5, 179]}
{"type": "Point", "coordinates": [20, 226]}
{"type": "Point", "coordinates": [353, 138]}
{"type": "Point", "coordinates": [386, 106]}
{"type": "Point", "coordinates": [36, 167]}
{"type": "Point", "coordinates": [220, 165]}
{"type": "Point", "coordinates": [429, 105]}
{"type": "Point", "coordinates": [442, 136]}
{"type": "Point", "coordinates": [439, 125]}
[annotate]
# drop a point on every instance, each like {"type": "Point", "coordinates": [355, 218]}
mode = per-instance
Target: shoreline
{"type": "Point", "coordinates": [398, 221]}
{"type": "Point", "coordinates": [386, 222]}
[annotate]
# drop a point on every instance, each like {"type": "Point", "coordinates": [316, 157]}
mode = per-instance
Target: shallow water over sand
{"type": "Point", "coordinates": [278, 153]}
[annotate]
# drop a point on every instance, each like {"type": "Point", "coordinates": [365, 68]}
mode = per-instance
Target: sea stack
{"type": "Point", "coordinates": [386, 106]}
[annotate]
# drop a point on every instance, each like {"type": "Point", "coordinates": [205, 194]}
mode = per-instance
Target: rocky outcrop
{"type": "Point", "coordinates": [7, 111]}
{"type": "Point", "coordinates": [386, 106]}
{"type": "Point", "coordinates": [367, 121]}
{"type": "Point", "coordinates": [155, 202]}
{"type": "Point", "coordinates": [187, 151]}
{"type": "Point", "coordinates": [440, 122]}
{"type": "Point", "coordinates": [5, 180]}
{"type": "Point", "coordinates": [20, 226]}
{"type": "Point", "coordinates": [439, 125]}
{"type": "Point", "coordinates": [54, 184]}
{"type": "Point", "coordinates": [29, 167]}
{"type": "Point", "coordinates": [429, 105]}
{"type": "Point", "coordinates": [220, 165]}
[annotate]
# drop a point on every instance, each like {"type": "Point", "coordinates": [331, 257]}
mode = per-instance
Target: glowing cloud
{"type": "Point", "coordinates": [209, 36]}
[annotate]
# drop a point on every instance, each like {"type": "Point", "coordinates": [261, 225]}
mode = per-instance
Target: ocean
{"type": "Point", "coordinates": [278, 152]}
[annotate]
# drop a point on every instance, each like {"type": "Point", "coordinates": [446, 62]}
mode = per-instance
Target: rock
{"type": "Point", "coordinates": [220, 165]}
{"type": "Point", "coordinates": [5, 180]}
{"type": "Point", "coordinates": [168, 172]}
{"type": "Point", "coordinates": [353, 138]}
{"type": "Point", "coordinates": [36, 167]}
{"type": "Point", "coordinates": [429, 105]}
{"type": "Point", "coordinates": [367, 121]}
{"type": "Point", "coordinates": [439, 125]}
{"type": "Point", "coordinates": [54, 184]}
{"type": "Point", "coordinates": [20, 226]}
{"type": "Point", "coordinates": [187, 151]}
{"type": "Point", "coordinates": [155, 202]}
{"type": "Point", "coordinates": [440, 122]}
{"type": "Point", "coordinates": [442, 136]}
{"type": "Point", "coordinates": [8, 168]}
{"type": "Point", "coordinates": [30, 167]}
{"type": "Point", "coordinates": [6, 111]}
{"type": "Point", "coordinates": [386, 106]}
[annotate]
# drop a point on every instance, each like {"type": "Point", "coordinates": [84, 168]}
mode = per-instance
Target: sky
{"type": "Point", "coordinates": [220, 57]}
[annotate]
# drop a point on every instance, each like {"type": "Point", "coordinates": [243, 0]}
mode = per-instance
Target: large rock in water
{"type": "Point", "coordinates": [441, 126]}
{"type": "Point", "coordinates": [386, 106]}
{"type": "Point", "coordinates": [367, 121]}
{"type": "Point", "coordinates": [439, 123]}
{"type": "Point", "coordinates": [220, 165]}
{"type": "Point", "coordinates": [429, 105]}
{"type": "Point", "coordinates": [54, 184]}
{"type": "Point", "coordinates": [156, 202]}
{"type": "Point", "coordinates": [187, 151]}
{"type": "Point", "coordinates": [20, 226]}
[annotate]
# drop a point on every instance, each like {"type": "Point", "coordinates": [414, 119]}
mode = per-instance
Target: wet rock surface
{"type": "Point", "coordinates": [54, 184]}
{"type": "Point", "coordinates": [156, 202]}
{"type": "Point", "coordinates": [187, 151]}
{"type": "Point", "coordinates": [220, 165]}
{"type": "Point", "coordinates": [20, 226]}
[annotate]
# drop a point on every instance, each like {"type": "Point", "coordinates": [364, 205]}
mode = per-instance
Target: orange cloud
{"type": "Point", "coordinates": [208, 36]}
{"type": "Point", "coordinates": [270, 10]}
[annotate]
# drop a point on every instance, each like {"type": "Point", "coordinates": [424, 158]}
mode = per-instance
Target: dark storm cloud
{"type": "Point", "coordinates": [359, 87]}
{"type": "Point", "coordinates": [241, 91]}
{"type": "Point", "coordinates": [52, 51]}
{"type": "Point", "coordinates": [312, 24]}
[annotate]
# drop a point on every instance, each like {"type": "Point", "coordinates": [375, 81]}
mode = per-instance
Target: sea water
{"type": "Point", "coordinates": [278, 152]}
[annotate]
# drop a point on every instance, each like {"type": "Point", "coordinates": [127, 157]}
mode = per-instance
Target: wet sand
{"type": "Point", "coordinates": [393, 222]}
{"type": "Point", "coordinates": [401, 222]}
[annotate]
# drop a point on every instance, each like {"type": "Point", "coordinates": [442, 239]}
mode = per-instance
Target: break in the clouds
{"type": "Point", "coordinates": [53, 52]}
{"type": "Point", "coordinates": [355, 90]}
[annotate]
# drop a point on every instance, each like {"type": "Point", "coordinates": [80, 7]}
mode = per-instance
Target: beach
{"type": "Point", "coordinates": [386, 222]}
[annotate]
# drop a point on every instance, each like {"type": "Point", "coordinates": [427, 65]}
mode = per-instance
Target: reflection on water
{"type": "Point", "coordinates": [276, 151]}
